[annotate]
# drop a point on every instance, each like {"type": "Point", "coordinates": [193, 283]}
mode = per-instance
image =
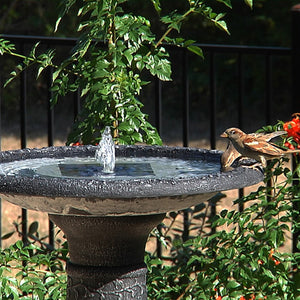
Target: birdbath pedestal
{"type": "Point", "coordinates": [107, 255]}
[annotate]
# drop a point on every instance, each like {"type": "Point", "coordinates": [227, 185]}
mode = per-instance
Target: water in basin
{"type": "Point", "coordinates": [125, 168]}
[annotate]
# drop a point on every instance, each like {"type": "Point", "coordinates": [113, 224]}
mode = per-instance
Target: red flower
{"type": "Point", "coordinates": [289, 145]}
{"type": "Point", "coordinates": [293, 130]}
{"type": "Point", "coordinates": [260, 262]}
{"type": "Point", "coordinates": [76, 144]}
{"type": "Point", "coordinates": [276, 262]}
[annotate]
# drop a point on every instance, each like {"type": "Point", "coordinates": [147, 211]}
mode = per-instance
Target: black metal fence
{"type": "Point", "coordinates": [279, 70]}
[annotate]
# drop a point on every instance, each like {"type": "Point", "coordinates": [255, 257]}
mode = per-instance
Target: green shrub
{"type": "Point", "coordinates": [30, 272]}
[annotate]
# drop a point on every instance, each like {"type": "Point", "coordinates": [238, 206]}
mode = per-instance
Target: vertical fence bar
{"type": "Point", "coordinates": [240, 91]}
{"type": "Point", "coordinates": [76, 103]}
{"type": "Point", "coordinates": [158, 125]}
{"type": "Point", "coordinates": [268, 96]}
{"type": "Point", "coordinates": [212, 83]}
{"type": "Point", "coordinates": [295, 58]}
{"type": "Point", "coordinates": [185, 130]}
{"type": "Point", "coordinates": [23, 109]}
{"type": "Point", "coordinates": [268, 100]}
{"type": "Point", "coordinates": [295, 87]}
{"type": "Point", "coordinates": [50, 127]}
{"type": "Point", "coordinates": [158, 105]}
{"type": "Point", "coordinates": [240, 109]}
{"type": "Point", "coordinates": [23, 123]}
{"type": "Point", "coordinates": [186, 100]}
{"type": "Point", "coordinates": [50, 112]}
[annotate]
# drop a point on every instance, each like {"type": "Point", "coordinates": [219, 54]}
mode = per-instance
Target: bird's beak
{"type": "Point", "coordinates": [224, 135]}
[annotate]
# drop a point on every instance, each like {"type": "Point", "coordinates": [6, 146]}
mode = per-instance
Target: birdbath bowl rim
{"type": "Point", "coordinates": [136, 196]}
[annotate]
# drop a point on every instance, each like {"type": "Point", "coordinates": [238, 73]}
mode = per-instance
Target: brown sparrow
{"type": "Point", "coordinates": [255, 146]}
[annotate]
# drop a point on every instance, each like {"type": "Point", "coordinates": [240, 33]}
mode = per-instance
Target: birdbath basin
{"type": "Point", "coordinates": [107, 217]}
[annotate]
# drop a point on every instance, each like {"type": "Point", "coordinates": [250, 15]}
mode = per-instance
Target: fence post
{"type": "Point", "coordinates": [295, 57]}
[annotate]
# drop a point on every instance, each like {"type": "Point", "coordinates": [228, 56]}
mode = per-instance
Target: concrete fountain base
{"type": "Point", "coordinates": [107, 255]}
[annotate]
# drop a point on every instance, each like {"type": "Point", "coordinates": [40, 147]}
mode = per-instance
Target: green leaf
{"type": "Point", "coordinates": [162, 70]}
{"type": "Point", "coordinates": [13, 75]}
{"type": "Point", "coordinates": [197, 50]}
{"type": "Point", "coordinates": [249, 3]}
{"type": "Point", "coordinates": [128, 56]}
{"type": "Point", "coordinates": [13, 291]}
{"type": "Point", "coordinates": [156, 4]}
{"type": "Point", "coordinates": [125, 126]}
{"type": "Point", "coordinates": [269, 274]}
{"type": "Point", "coordinates": [33, 228]}
{"type": "Point", "coordinates": [56, 74]}
{"type": "Point", "coordinates": [57, 23]}
{"type": "Point", "coordinates": [33, 50]}
{"type": "Point", "coordinates": [140, 65]}
{"type": "Point", "coordinates": [6, 47]}
{"type": "Point", "coordinates": [223, 213]}
{"type": "Point", "coordinates": [40, 70]}
{"type": "Point", "coordinates": [222, 25]}
{"type": "Point", "coordinates": [138, 137]}
{"type": "Point", "coordinates": [19, 244]}
{"type": "Point", "coordinates": [66, 6]}
{"type": "Point", "coordinates": [176, 26]}
{"type": "Point", "coordinates": [298, 170]}
{"type": "Point", "coordinates": [227, 2]}
{"type": "Point", "coordinates": [7, 235]}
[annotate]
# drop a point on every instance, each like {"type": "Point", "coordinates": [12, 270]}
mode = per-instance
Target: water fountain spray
{"type": "Point", "coordinates": [105, 153]}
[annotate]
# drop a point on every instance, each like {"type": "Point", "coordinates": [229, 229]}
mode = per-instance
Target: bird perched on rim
{"type": "Point", "coordinates": [255, 145]}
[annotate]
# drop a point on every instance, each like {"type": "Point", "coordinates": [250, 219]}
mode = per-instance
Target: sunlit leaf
{"type": "Point", "coordinates": [227, 2]}
{"type": "Point", "coordinates": [249, 3]}
{"type": "Point", "coordinates": [156, 4]}
{"type": "Point", "coordinates": [195, 49]}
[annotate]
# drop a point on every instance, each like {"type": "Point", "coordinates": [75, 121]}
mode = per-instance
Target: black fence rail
{"type": "Point", "coordinates": [211, 102]}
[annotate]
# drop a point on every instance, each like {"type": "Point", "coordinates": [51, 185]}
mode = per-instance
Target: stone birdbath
{"type": "Point", "coordinates": [107, 217]}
